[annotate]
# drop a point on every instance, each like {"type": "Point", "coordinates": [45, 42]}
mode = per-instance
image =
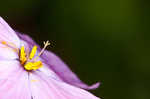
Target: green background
{"type": "Point", "coordinates": [100, 40]}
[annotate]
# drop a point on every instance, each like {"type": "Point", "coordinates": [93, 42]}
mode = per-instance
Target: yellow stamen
{"type": "Point", "coordinates": [33, 51]}
{"type": "Point", "coordinates": [27, 62]}
{"type": "Point", "coordinates": [23, 58]}
{"type": "Point", "coordinates": [33, 65]}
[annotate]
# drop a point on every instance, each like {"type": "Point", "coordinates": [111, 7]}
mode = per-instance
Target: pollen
{"type": "Point", "coordinates": [4, 42]}
{"type": "Point", "coordinates": [33, 52]}
{"type": "Point", "coordinates": [33, 80]}
{"type": "Point", "coordinates": [33, 65]}
{"type": "Point", "coordinates": [23, 58]}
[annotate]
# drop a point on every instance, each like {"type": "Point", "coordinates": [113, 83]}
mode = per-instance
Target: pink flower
{"type": "Point", "coordinates": [29, 72]}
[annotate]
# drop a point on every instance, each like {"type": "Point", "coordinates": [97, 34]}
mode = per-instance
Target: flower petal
{"type": "Point", "coordinates": [9, 68]}
{"type": "Point", "coordinates": [61, 69]}
{"type": "Point", "coordinates": [48, 72]}
{"type": "Point", "coordinates": [58, 66]}
{"type": "Point", "coordinates": [49, 88]}
{"type": "Point", "coordinates": [28, 40]}
{"type": "Point", "coordinates": [7, 34]}
{"type": "Point", "coordinates": [14, 81]}
{"type": "Point", "coordinates": [7, 53]}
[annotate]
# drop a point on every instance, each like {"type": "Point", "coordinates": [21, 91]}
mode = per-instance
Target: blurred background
{"type": "Point", "coordinates": [100, 40]}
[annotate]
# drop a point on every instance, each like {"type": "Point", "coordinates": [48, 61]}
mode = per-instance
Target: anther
{"type": "Point", "coordinates": [32, 53]}
{"type": "Point", "coordinates": [23, 58]}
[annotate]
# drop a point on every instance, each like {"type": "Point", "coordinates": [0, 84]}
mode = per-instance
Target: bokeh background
{"type": "Point", "coordinates": [100, 40]}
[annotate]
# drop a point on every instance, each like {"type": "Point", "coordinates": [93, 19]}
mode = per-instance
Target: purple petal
{"type": "Point", "coordinates": [61, 69]}
{"type": "Point", "coordinates": [28, 40]}
{"type": "Point", "coordinates": [49, 72]}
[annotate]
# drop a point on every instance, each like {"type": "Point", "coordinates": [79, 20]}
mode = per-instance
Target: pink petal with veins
{"type": "Point", "coordinates": [8, 34]}
{"type": "Point", "coordinates": [9, 69]}
{"type": "Point", "coordinates": [14, 83]}
{"type": "Point", "coordinates": [7, 53]}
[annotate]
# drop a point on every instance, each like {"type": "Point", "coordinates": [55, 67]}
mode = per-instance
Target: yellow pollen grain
{"type": "Point", "coordinates": [33, 65]}
{"type": "Point", "coordinates": [33, 80]}
{"type": "Point", "coordinates": [4, 42]}
{"type": "Point", "coordinates": [23, 58]}
{"type": "Point", "coordinates": [33, 52]}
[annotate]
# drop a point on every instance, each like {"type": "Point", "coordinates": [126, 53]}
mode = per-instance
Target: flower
{"type": "Point", "coordinates": [29, 72]}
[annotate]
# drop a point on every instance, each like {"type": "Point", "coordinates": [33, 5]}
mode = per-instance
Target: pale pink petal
{"type": "Point", "coordinates": [7, 52]}
{"type": "Point", "coordinates": [8, 34]}
{"type": "Point", "coordinates": [49, 88]}
{"type": "Point", "coordinates": [9, 68]}
{"type": "Point", "coordinates": [14, 83]}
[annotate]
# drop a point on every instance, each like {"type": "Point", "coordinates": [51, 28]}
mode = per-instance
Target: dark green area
{"type": "Point", "coordinates": [101, 40]}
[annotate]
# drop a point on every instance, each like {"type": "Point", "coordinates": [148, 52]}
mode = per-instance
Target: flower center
{"type": "Point", "coordinates": [30, 61]}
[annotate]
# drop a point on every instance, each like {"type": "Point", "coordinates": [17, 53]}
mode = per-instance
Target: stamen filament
{"type": "Point", "coordinates": [47, 43]}
{"type": "Point", "coordinates": [10, 45]}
